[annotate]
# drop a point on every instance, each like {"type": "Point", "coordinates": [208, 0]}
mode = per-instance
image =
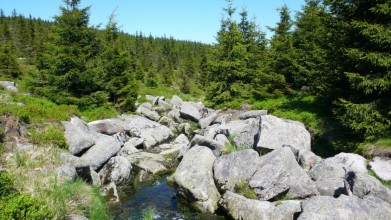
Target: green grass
{"type": "Point", "coordinates": [37, 110]}
{"type": "Point", "coordinates": [245, 190]}
{"type": "Point", "coordinates": [380, 147]}
{"type": "Point", "coordinates": [75, 197]}
{"type": "Point", "coordinates": [52, 134]}
{"type": "Point", "coordinates": [21, 159]}
{"type": "Point", "coordinates": [98, 113]}
{"type": "Point", "coordinates": [148, 213]}
{"type": "Point", "coordinates": [167, 92]}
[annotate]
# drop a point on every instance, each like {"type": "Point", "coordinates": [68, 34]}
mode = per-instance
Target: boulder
{"type": "Point", "coordinates": [127, 150]}
{"type": "Point", "coordinates": [138, 157]}
{"type": "Point", "coordinates": [235, 167]}
{"type": "Point", "coordinates": [382, 168]}
{"type": "Point", "coordinates": [10, 86]}
{"type": "Point", "coordinates": [146, 105]}
{"type": "Point", "coordinates": [150, 97]}
{"type": "Point", "coordinates": [167, 121]}
{"type": "Point", "coordinates": [276, 132]}
{"type": "Point", "coordinates": [190, 111]}
{"type": "Point", "coordinates": [175, 115]}
{"type": "Point", "coordinates": [280, 173]}
{"type": "Point", "coordinates": [215, 146]}
{"type": "Point", "coordinates": [104, 148]}
{"type": "Point", "coordinates": [151, 166]}
{"type": "Point", "coordinates": [344, 207]}
{"type": "Point", "coordinates": [152, 132]}
{"type": "Point", "coordinates": [176, 101]}
{"type": "Point", "coordinates": [245, 133]}
{"type": "Point", "coordinates": [117, 170]}
{"type": "Point", "coordinates": [252, 114]}
{"type": "Point", "coordinates": [363, 185]}
{"type": "Point", "coordinates": [89, 175]}
{"type": "Point", "coordinates": [205, 122]}
{"type": "Point", "coordinates": [185, 128]}
{"type": "Point", "coordinates": [222, 139]}
{"type": "Point", "coordinates": [194, 180]}
{"type": "Point", "coordinates": [67, 172]}
{"type": "Point", "coordinates": [152, 115]}
{"type": "Point", "coordinates": [107, 126]}
{"type": "Point", "coordinates": [222, 119]}
{"type": "Point", "coordinates": [331, 187]}
{"type": "Point", "coordinates": [307, 159]}
{"type": "Point", "coordinates": [240, 208]}
{"type": "Point", "coordinates": [78, 135]}
{"type": "Point", "coordinates": [176, 146]}
{"type": "Point", "coordinates": [165, 105]}
{"type": "Point", "coordinates": [351, 162]}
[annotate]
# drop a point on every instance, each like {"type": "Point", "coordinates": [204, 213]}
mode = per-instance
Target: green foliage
{"type": "Point", "coordinates": [379, 147]}
{"type": "Point", "coordinates": [245, 190]}
{"type": "Point", "coordinates": [148, 213]}
{"type": "Point", "coordinates": [23, 206]}
{"type": "Point", "coordinates": [37, 110]}
{"type": "Point", "coordinates": [50, 135]}
{"type": "Point", "coordinates": [6, 184]}
{"type": "Point", "coordinates": [75, 197]}
{"type": "Point", "coordinates": [9, 67]}
{"type": "Point", "coordinates": [385, 183]}
{"type": "Point", "coordinates": [21, 159]}
{"type": "Point", "coordinates": [92, 114]}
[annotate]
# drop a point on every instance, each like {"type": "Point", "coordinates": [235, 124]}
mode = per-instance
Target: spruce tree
{"type": "Point", "coordinates": [363, 33]}
{"type": "Point", "coordinates": [72, 76]}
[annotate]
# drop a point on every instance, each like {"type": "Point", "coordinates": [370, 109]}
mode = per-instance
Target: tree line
{"type": "Point", "coordinates": [337, 50]}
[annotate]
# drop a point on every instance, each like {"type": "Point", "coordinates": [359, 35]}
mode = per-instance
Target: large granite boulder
{"type": "Point", "coordinates": [363, 185]}
{"type": "Point", "coordinates": [150, 114]}
{"type": "Point", "coordinates": [280, 173]}
{"type": "Point", "coordinates": [152, 132]}
{"type": "Point", "coordinates": [117, 170]}
{"type": "Point", "coordinates": [344, 207]}
{"type": "Point", "coordinates": [382, 168]}
{"type": "Point", "coordinates": [215, 146]}
{"type": "Point", "coordinates": [190, 111]}
{"type": "Point", "coordinates": [107, 126]}
{"type": "Point", "coordinates": [245, 133]}
{"type": "Point", "coordinates": [194, 180]}
{"type": "Point", "coordinates": [234, 168]}
{"type": "Point", "coordinates": [276, 132]}
{"type": "Point", "coordinates": [78, 135]}
{"type": "Point", "coordinates": [240, 208]}
{"type": "Point", "coordinates": [104, 148]}
{"type": "Point", "coordinates": [351, 162]}
{"type": "Point", "coordinates": [176, 100]}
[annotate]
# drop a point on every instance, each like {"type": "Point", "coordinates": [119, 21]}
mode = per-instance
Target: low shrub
{"type": "Point", "coordinates": [50, 135]}
{"type": "Point", "coordinates": [6, 184]}
{"type": "Point", "coordinates": [92, 114]}
{"type": "Point", "coordinates": [24, 206]}
{"type": "Point", "coordinates": [148, 213]}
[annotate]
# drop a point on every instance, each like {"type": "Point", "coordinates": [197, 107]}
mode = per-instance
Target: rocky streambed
{"type": "Point", "coordinates": [216, 155]}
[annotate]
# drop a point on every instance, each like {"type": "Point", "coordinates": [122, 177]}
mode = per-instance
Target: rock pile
{"type": "Point", "coordinates": [273, 159]}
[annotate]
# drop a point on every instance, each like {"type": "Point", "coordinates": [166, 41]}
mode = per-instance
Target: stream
{"type": "Point", "coordinates": [159, 197]}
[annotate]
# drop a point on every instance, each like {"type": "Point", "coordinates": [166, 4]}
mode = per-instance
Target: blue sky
{"type": "Point", "coordinates": [196, 20]}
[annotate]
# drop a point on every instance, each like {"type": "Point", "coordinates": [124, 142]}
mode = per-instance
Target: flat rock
{"type": "Point", "coordinates": [190, 111]}
{"type": "Point", "coordinates": [194, 180]}
{"type": "Point", "coordinates": [276, 132]}
{"type": "Point", "coordinates": [235, 167]}
{"type": "Point", "coordinates": [104, 148]}
{"type": "Point", "coordinates": [205, 122]}
{"type": "Point", "coordinates": [107, 126]}
{"type": "Point", "coordinates": [344, 207]}
{"type": "Point", "coordinates": [382, 168]}
{"type": "Point", "coordinates": [138, 157]}
{"type": "Point", "coordinates": [240, 208]}
{"type": "Point", "coordinates": [280, 173]}
{"type": "Point", "coordinates": [150, 114]}
{"type": "Point", "coordinates": [151, 166]}
{"type": "Point", "coordinates": [78, 135]}
{"type": "Point", "coordinates": [152, 132]}
{"type": "Point", "coordinates": [252, 114]}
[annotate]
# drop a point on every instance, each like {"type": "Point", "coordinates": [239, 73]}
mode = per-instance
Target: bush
{"type": "Point", "coordinates": [23, 206]}
{"type": "Point", "coordinates": [92, 114]}
{"type": "Point", "coordinates": [6, 184]}
{"type": "Point", "coordinates": [50, 135]}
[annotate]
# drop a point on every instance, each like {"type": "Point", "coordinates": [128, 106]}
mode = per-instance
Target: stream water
{"type": "Point", "coordinates": [159, 197]}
